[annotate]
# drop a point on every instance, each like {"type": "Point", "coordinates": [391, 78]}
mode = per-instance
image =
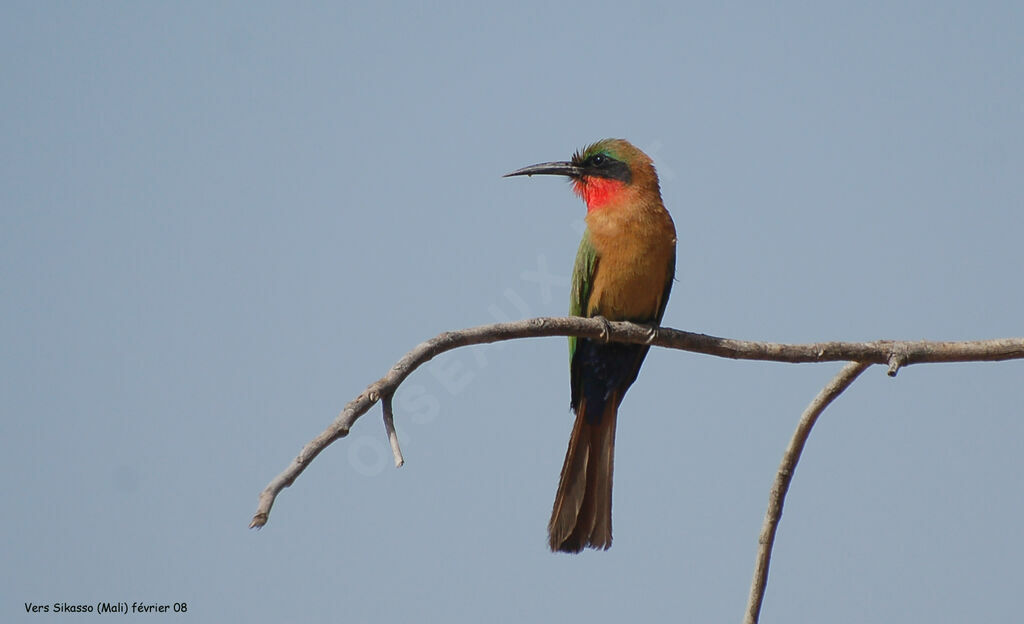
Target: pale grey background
{"type": "Point", "coordinates": [221, 221]}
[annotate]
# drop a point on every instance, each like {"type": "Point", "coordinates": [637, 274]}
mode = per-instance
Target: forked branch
{"type": "Point", "coordinates": [895, 354]}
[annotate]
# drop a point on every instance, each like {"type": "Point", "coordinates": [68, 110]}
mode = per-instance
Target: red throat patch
{"type": "Point", "coordinates": [597, 192]}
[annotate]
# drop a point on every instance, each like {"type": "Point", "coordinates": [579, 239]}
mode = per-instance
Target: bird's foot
{"type": "Point", "coordinates": [652, 334]}
{"type": "Point", "coordinates": [606, 328]}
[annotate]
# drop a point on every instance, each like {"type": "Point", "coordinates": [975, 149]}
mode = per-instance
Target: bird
{"type": "Point", "coordinates": [624, 271]}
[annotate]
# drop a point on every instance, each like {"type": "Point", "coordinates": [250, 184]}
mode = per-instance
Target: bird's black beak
{"type": "Point", "coordinates": [549, 168]}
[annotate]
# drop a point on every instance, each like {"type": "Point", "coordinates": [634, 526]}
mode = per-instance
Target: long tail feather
{"type": "Point", "coordinates": [582, 513]}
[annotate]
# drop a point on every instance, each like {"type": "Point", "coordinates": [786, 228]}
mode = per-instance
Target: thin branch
{"type": "Point", "coordinates": [878, 352]}
{"type": "Point", "coordinates": [777, 498]}
{"type": "Point", "coordinates": [389, 427]}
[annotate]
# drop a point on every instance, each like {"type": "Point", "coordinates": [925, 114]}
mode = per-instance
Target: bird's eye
{"type": "Point", "coordinates": [597, 159]}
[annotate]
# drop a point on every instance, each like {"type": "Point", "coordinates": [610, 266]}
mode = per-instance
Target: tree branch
{"type": "Point", "coordinates": [777, 498]}
{"type": "Point", "coordinates": [893, 353]}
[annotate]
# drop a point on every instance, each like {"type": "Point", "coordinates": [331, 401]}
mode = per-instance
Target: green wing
{"type": "Point", "coordinates": [582, 280]}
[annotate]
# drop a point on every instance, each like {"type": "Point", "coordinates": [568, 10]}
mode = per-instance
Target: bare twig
{"type": "Point", "coordinates": [896, 360]}
{"type": "Point", "coordinates": [878, 352]}
{"type": "Point", "coordinates": [389, 427]}
{"type": "Point", "coordinates": [777, 498]}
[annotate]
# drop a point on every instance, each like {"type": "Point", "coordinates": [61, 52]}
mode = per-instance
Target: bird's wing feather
{"type": "Point", "coordinates": [582, 281]}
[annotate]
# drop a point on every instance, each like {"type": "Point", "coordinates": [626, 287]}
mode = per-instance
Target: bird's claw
{"type": "Point", "coordinates": [652, 334]}
{"type": "Point", "coordinates": [606, 329]}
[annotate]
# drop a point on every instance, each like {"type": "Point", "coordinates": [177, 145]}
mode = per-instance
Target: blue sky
{"type": "Point", "coordinates": [221, 221]}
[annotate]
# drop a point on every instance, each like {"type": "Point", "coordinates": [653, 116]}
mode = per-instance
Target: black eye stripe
{"type": "Point", "coordinates": [604, 166]}
{"type": "Point", "coordinates": [601, 165]}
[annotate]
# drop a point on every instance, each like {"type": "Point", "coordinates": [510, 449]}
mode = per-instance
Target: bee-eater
{"type": "Point", "coordinates": [623, 272]}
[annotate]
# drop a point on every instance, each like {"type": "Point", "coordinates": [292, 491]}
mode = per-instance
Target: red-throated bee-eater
{"type": "Point", "coordinates": [624, 271]}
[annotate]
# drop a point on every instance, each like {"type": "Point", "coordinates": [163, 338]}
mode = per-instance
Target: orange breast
{"type": "Point", "coordinates": [636, 251]}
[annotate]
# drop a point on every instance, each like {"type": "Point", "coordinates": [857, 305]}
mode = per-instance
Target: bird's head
{"type": "Point", "coordinates": [604, 173]}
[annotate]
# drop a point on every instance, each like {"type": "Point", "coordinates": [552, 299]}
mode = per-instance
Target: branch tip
{"type": "Point", "coordinates": [896, 361]}
{"type": "Point", "coordinates": [389, 427]}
